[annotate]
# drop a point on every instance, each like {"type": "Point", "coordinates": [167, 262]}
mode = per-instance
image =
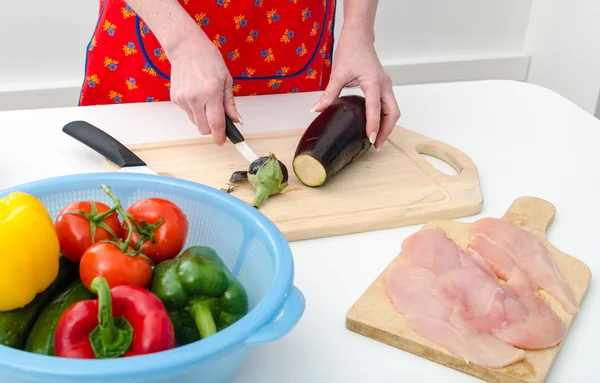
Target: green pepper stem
{"type": "Point", "coordinates": [113, 336]}
{"type": "Point", "coordinates": [200, 310]}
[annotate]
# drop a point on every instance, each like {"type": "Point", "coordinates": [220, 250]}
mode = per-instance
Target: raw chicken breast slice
{"type": "Point", "coordinates": [531, 323]}
{"type": "Point", "coordinates": [475, 298]}
{"type": "Point", "coordinates": [472, 258]}
{"type": "Point", "coordinates": [410, 290]}
{"type": "Point", "coordinates": [482, 349]}
{"type": "Point", "coordinates": [505, 245]}
{"type": "Point", "coordinates": [432, 250]}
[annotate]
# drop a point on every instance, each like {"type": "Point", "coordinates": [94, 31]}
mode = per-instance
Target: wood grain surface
{"type": "Point", "coordinates": [393, 187]}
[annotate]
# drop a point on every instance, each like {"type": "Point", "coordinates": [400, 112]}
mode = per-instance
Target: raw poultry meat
{"type": "Point", "coordinates": [472, 258]}
{"type": "Point", "coordinates": [432, 250]}
{"type": "Point", "coordinates": [530, 322]}
{"type": "Point", "coordinates": [482, 349]}
{"type": "Point", "coordinates": [411, 291]}
{"type": "Point", "coordinates": [412, 294]}
{"type": "Point", "coordinates": [476, 300]}
{"type": "Point", "coordinates": [453, 298]}
{"type": "Point", "coordinates": [505, 245]}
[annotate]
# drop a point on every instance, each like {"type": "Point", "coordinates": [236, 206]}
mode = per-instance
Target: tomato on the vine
{"type": "Point", "coordinates": [81, 224]}
{"type": "Point", "coordinates": [163, 226]}
{"type": "Point", "coordinates": [107, 259]}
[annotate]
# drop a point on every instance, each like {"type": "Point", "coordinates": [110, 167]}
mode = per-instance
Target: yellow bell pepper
{"type": "Point", "coordinates": [29, 250]}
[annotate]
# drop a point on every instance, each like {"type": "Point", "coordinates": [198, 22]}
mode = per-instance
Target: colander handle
{"type": "Point", "coordinates": [293, 308]}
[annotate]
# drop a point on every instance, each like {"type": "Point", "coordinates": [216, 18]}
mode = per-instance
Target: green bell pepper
{"type": "Point", "coordinates": [200, 293]}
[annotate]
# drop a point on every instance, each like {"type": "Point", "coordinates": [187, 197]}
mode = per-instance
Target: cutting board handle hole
{"type": "Point", "coordinates": [441, 166]}
{"type": "Point", "coordinates": [440, 159]}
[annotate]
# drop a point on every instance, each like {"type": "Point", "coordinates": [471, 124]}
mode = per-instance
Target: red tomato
{"type": "Point", "coordinates": [106, 260]}
{"type": "Point", "coordinates": [169, 236]}
{"type": "Point", "coordinates": [75, 230]}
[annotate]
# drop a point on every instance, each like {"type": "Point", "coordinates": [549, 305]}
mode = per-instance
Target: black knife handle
{"type": "Point", "coordinates": [232, 132]}
{"type": "Point", "coordinates": [102, 143]}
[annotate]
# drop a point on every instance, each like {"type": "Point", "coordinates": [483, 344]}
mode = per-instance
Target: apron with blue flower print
{"type": "Point", "coordinates": [269, 46]}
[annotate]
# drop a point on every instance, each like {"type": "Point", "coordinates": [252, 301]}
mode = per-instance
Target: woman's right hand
{"type": "Point", "coordinates": [200, 82]}
{"type": "Point", "coordinates": [202, 86]}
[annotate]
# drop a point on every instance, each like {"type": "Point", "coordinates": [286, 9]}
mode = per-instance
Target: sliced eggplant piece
{"type": "Point", "coordinates": [267, 175]}
{"type": "Point", "coordinates": [336, 138]}
{"type": "Point", "coordinates": [240, 175]}
{"type": "Point", "coordinates": [256, 164]}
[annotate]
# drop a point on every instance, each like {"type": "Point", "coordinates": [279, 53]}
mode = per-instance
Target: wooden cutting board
{"type": "Point", "coordinates": [373, 315]}
{"type": "Point", "coordinates": [391, 188]}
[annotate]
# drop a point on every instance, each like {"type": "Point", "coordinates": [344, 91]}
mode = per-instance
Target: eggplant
{"type": "Point", "coordinates": [336, 138]}
{"type": "Point", "coordinates": [256, 164]}
{"type": "Point", "coordinates": [267, 175]}
{"type": "Point", "coordinates": [240, 175]}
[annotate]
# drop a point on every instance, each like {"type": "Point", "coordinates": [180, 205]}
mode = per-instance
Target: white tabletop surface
{"type": "Point", "coordinates": [525, 140]}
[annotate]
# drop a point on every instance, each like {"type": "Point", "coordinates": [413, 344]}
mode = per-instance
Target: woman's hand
{"type": "Point", "coordinates": [202, 86]}
{"type": "Point", "coordinates": [355, 63]}
{"type": "Point", "coordinates": [200, 82]}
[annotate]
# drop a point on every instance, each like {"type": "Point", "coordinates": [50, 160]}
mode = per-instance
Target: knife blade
{"type": "Point", "coordinates": [107, 146]}
{"type": "Point", "coordinates": [234, 135]}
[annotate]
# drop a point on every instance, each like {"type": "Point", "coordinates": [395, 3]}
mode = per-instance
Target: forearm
{"type": "Point", "coordinates": [359, 17]}
{"type": "Point", "coordinates": [169, 22]}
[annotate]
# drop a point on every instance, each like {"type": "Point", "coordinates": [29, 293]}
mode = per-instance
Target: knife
{"type": "Point", "coordinates": [108, 146]}
{"type": "Point", "coordinates": [234, 135]}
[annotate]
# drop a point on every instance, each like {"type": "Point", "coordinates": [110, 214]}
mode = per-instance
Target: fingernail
{"type": "Point", "coordinates": [373, 137]}
{"type": "Point", "coordinates": [314, 108]}
{"type": "Point", "coordinates": [240, 119]}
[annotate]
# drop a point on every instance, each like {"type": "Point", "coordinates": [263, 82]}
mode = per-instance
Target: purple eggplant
{"type": "Point", "coordinates": [336, 138]}
{"type": "Point", "coordinates": [256, 164]}
{"type": "Point", "coordinates": [267, 175]}
{"type": "Point", "coordinates": [240, 175]}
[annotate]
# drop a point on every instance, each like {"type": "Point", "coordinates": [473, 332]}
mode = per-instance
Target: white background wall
{"type": "Point", "coordinates": [564, 43]}
{"type": "Point", "coordinates": [43, 44]}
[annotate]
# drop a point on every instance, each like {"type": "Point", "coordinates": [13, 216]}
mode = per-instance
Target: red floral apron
{"type": "Point", "coordinates": [269, 46]}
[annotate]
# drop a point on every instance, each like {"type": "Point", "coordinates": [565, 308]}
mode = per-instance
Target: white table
{"type": "Point", "coordinates": [524, 139]}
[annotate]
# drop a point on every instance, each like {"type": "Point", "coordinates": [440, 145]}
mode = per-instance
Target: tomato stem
{"type": "Point", "coordinates": [146, 232]}
{"type": "Point", "coordinates": [102, 216]}
{"type": "Point", "coordinates": [96, 219]}
{"type": "Point", "coordinates": [125, 246]}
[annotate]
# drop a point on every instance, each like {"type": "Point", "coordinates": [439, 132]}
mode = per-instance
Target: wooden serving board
{"type": "Point", "coordinates": [390, 188]}
{"type": "Point", "coordinates": [374, 316]}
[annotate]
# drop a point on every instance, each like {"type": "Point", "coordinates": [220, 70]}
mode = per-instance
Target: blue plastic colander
{"type": "Point", "coordinates": [249, 244]}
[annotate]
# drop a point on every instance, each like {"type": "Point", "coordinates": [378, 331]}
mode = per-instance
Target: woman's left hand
{"type": "Point", "coordinates": [355, 63]}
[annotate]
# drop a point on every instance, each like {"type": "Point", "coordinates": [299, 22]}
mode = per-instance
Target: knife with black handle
{"type": "Point", "coordinates": [107, 146]}
{"type": "Point", "coordinates": [234, 135]}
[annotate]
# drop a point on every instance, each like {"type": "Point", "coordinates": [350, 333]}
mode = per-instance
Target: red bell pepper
{"type": "Point", "coordinates": [123, 321]}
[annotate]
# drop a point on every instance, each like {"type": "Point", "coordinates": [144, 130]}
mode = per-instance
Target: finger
{"type": "Point", "coordinates": [180, 102]}
{"type": "Point", "coordinates": [200, 120]}
{"type": "Point", "coordinates": [330, 94]}
{"type": "Point", "coordinates": [189, 112]}
{"type": "Point", "coordinates": [215, 115]}
{"type": "Point", "coordinates": [195, 107]}
{"type": "Point", "coordinates": [390, 113]}
{"type": "Point", "coordinates": [229, 103]}
{"type": "Point", "coordinates": [373, 106]}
